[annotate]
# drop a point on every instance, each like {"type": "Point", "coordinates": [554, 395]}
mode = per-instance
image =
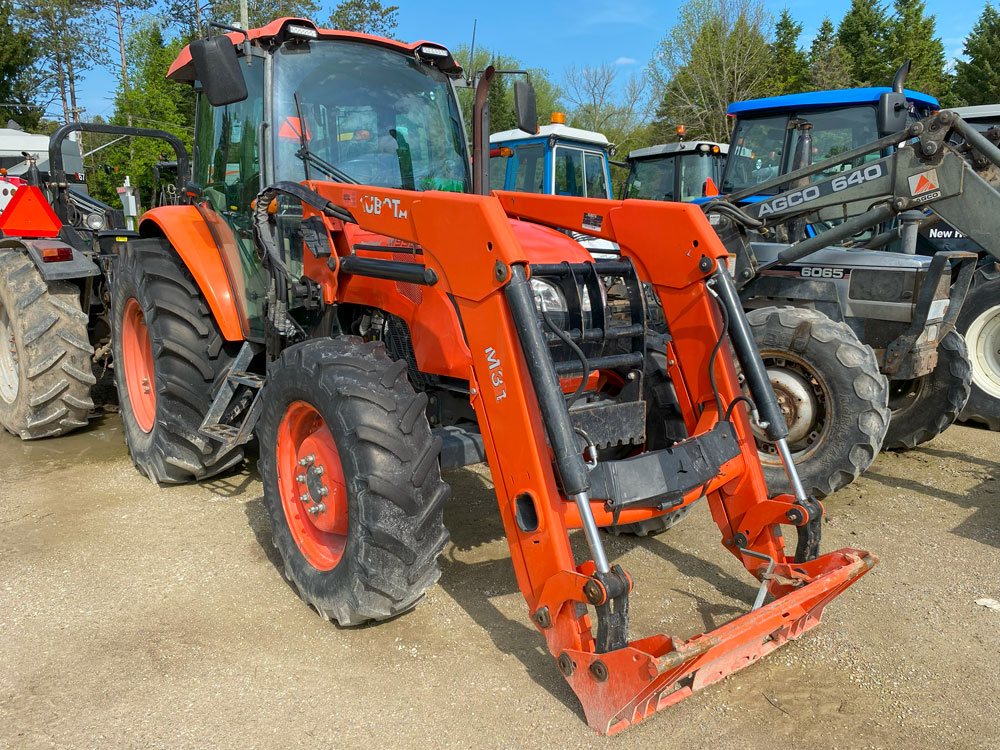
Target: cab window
{"type": "Point", "coordinates": [530, 175]}
{"type": "Point", "coordinates": [755, 155]}
{"type": "Point", "coordinates": [597, 184]}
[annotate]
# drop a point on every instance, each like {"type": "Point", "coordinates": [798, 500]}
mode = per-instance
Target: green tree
{"type": "Point", "coordinates": [912, 37]}
{"type": "Point", "coordinates": [151, 101]}
{"type": "Point", "coordinates": [790, 64]}
{"type": "Point", "coordinates": [977, 80]}
{"type": "Point", "coordinates": [716, 53]}
{"type": "Point", "coordinates": [18, 55]}
{"type": "Point", "coordinates": [864, 32]}
{"type": "Point", "coordinates": [63, 31]}
{"type": "Point", "coordinates": [262, 12]}
{"type": "Point", "coordinates": [829, 63]}
{"type": "Point", "coordinates": [548, 96]}
{"type": "Point", "coordinates": [365, 16]}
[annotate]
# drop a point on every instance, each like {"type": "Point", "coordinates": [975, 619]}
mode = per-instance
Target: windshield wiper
{"type": "Point", "coordinates": [308, 157]}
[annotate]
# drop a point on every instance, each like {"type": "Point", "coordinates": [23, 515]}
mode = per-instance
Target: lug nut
{"type": "Point", "coordinates": [318, 508]}
{"type": "Point", "coordinates": [320, 471]}
{"type": "Point", "coordinates": [324, 491]}
{"type": "Point", "coordinates": [307, 460]}
{"type": "Point", "coordinates": [301, 478]}
{"type": "Point", "coordinates": [304, 497]}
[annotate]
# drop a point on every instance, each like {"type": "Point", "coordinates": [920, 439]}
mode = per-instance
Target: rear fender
{"type": "Point", "coordinates": [186, 229]}
{"type": "Point", "coordinates": [79, 266]}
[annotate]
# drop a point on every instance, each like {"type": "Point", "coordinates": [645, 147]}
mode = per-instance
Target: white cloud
{"type": "Point", "coordinates": [625, 61]}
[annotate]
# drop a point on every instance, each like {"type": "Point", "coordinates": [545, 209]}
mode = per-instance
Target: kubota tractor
{"type": "Point", "coordinates": [343, 283]}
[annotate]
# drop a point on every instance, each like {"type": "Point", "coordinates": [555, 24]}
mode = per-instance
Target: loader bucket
{"type": "Point", "coordinates": [653, 673]}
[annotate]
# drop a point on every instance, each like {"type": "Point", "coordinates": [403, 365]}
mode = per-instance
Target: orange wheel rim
{"type": "Point", "coordinates": [311, 485]}
{"type": "Point", "coordinates": [138, 366]}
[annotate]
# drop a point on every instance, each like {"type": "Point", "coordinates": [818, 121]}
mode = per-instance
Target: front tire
{"type": "Point", "coordinates": [351, 479]}
{"type": "Point", "coordinates": [979, 323]}
{"type": "Point", "coordinates": [925, 407]}
{"type": "Point", "coordinates": [169, 357]}
{"type": "Point", "coordinates": [832, 395]}
{"type": "Point", "coordinates": [45, 356]}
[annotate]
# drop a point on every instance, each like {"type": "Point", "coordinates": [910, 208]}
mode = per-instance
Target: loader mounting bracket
{"type": "Point", "coordinates": [661, 478]}
{"type": "Point", "coordinates": [809, 531]}
{"type": "Point", "coordinates": [612, 614]}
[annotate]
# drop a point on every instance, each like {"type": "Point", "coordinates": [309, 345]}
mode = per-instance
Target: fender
{"type": "Point", "coordinates": [78, 266]}
{"type": "Point", "coordinates": [220, 281]}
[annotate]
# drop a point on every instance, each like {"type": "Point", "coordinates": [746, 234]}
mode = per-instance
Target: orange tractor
{"type": "Point", "coordinates": [342, 284]}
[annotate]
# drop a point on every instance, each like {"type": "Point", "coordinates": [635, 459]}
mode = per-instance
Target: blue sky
{"type": "Point", "coordinates": [557, 34]}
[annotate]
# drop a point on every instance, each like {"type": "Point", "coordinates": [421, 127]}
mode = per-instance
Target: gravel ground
{"type": "Point", "coordinates": [137, 616]}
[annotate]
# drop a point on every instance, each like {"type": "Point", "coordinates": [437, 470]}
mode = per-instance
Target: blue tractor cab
{"type": "Point", "coordinates": [766, 131]}
{"type": "Point", "coordinates": [557, 160]}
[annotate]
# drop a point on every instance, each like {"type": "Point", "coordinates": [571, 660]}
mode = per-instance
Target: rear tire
{"type": "Point", "coordinates": [177, 357]}
{"type": "Point", "coordinates": [842, 417]}
{"type": "Point", "coordinates": [45, 355]}
{"type": "Point", "coordinates": [979, 323]}
{"type": "Point", "coordinates": [370, 553]}
{"type": "Point", "coordinates": [925, 407]}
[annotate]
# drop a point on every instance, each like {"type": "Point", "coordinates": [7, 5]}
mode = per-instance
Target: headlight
{"type": "Point", "coordinates": [95, 221]}
{"type": "Point", "coordinates": [547, 296]}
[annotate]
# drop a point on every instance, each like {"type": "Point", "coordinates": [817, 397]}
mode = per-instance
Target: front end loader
{"type": "Point", "coordinates": [383, 316]}
{"type": "Point", "coordinates": [337, 281]}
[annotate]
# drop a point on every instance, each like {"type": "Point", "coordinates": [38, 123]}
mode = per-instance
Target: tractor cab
{"type": "Point", "coordinates": [683, 171]}
{"type": "Point", "coordinates": [766, 132]}
{"type": "Point", "coordinates": [309, 103]}
{"type": "Point", "coordinates": [557, 160]}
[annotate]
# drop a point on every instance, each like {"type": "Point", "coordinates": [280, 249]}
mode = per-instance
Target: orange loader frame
{"type": "Point", "coordinates": [472, 252]}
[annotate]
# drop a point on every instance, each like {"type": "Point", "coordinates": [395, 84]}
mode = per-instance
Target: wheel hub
{"type": "Point", "coordinates": [137, 353]}
{"type": "Point", "coordinates": [311, 482]}
{"type": "Point", "coordinates": [9, 371]}
{"type": "Point", "coordinates": [983, 339]}
{"type": "Point", "coordinates": [797, 401]}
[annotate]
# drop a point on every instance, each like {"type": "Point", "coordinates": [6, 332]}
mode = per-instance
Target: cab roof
{"type": "Point", "coordinates": [562, 132]}
{"type": "Point", "coordinates": [182, 68]}
{"type": "Point", "coordinates": [812, 99]}
{"type": "Point", "coordinates": [675, 148]}
{"type": "Point", "coordinates": [981, 110]}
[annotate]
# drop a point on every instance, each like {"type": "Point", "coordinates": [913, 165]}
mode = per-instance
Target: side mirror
{"type": "Point", "coordinates": [524, 107]}
{"type": "Point", "coordinates": [891, 115]}
{"type": "Point", "coordinates": [218, 69]}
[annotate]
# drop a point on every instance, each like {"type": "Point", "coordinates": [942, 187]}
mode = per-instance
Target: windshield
{"type": "Point", "coordinates": [764, 147]}
{"type": "Point", "coordinates": [652, 179]}
{"type": "Point", "coordinates": [755, 152]}
{"type": "Point", "coordinates": [376, 115]}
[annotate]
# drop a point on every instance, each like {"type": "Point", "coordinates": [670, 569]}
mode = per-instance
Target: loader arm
{"type": "Point", "coordinates": [543, 484]}
{"type": "Point", "coordinates": [928, 173]}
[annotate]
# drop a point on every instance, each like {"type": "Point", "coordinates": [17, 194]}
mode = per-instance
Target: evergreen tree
{"type": "Point", "coordinates": [911, 37]}
{"type": "Point", "coordinates": [864, 33]}
{"type": "Point", "coordinates": [791, 66]}
{"type": "Point", "coordinates": [151, 101]}
{"type": "Point", "coordinates": [18, 55]}
{"type": "Point", "coordinates": [366, 16]}
{"type": "Point", "coordinates": [977, 80]}
{"type": "Point", "coordinates": [829, 62]}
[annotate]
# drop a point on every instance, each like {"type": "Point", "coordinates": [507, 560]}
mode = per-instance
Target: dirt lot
{"type": "Point", "coordinates": [134, 616]}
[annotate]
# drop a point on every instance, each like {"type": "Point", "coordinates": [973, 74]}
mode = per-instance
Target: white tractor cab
{"type": "Point", "coordinates": [557, 160]}
{"type": "Point", "coordinates": [682, 171]}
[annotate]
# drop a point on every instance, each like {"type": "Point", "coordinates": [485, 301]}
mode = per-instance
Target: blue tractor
{"type": "Point", "coordinates": [557, 160]}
